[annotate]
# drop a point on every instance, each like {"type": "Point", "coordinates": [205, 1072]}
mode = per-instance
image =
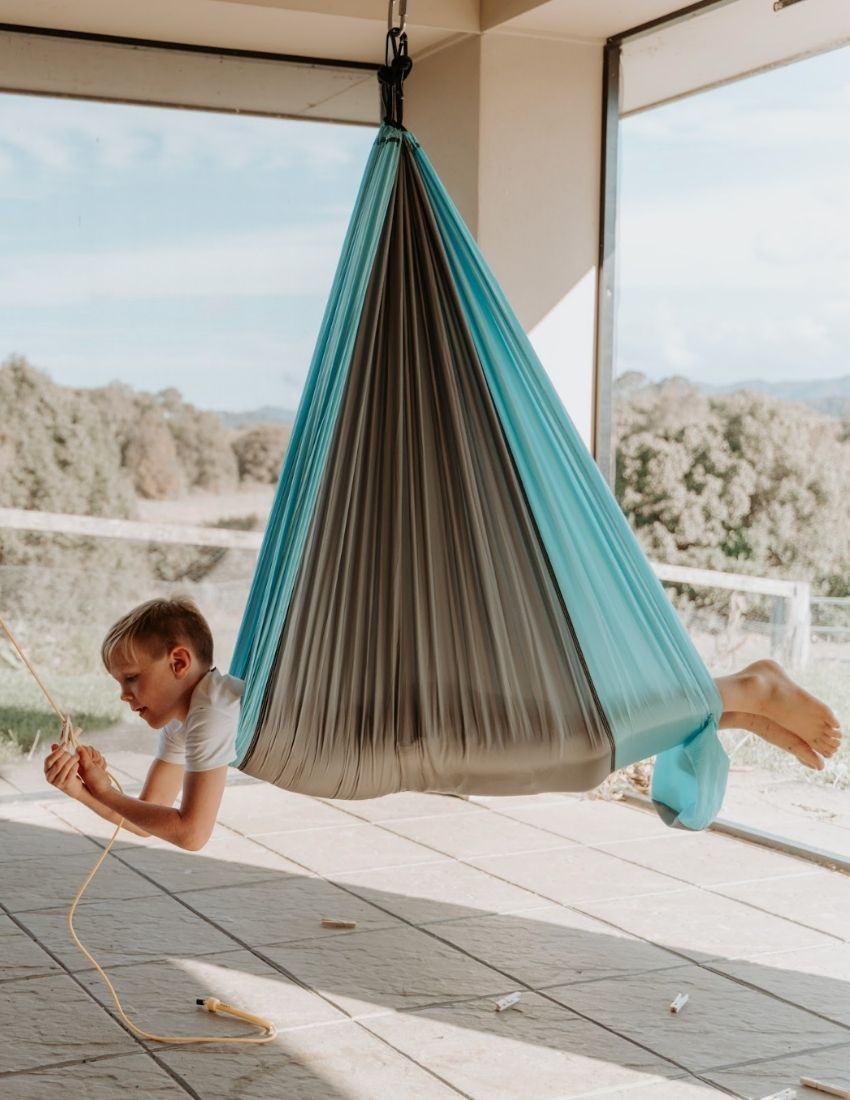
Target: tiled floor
{"type": "Point", "coordinates": [593, 910]}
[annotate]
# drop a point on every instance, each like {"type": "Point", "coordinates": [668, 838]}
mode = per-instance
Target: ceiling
{"type": "Point", "coordinates": [730, 39]}
{"type": "Point", "coordinates": [351, 30]}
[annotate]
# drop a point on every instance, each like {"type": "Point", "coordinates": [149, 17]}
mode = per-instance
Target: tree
{"type": "Point", "coordinates": [739, 482]}
{"type": "Point", "coordinates": [259, 452]}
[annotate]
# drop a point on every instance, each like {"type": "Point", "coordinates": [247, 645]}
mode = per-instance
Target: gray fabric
{"type": "Point", "coordinates": [426, 645]}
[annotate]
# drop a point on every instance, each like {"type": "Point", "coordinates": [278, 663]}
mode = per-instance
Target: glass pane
{"type": "Point", "coordinates": [733, 400]}
{"type": "Point", "coordinates": [164, 275]}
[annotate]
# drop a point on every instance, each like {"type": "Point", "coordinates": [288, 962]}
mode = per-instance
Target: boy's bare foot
{"type": "Point", "coordinates": [764, 690]}
{"type": "Point", "coordinates": [777, 735]}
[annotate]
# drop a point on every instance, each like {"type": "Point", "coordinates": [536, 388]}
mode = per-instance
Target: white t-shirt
{"type": "Point", "coordinates": [207, 738]}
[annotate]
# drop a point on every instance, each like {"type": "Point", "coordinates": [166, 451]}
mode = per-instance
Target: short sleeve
{"type": "Point", "coordinates": [211, 737]}
{"type": "Point", "coordinates": [172, 744]}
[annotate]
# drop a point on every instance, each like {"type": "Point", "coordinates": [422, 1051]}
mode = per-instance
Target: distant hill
{"type": "Point", "coordinates": [830, 396]}
{"type": "Point", "coordinates": [268, 414]}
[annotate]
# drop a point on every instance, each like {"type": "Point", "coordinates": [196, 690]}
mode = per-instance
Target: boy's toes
{"type": "Point", "coordinates": [804, 752]}
{"type": "Point", "coordinates": [827, 742]}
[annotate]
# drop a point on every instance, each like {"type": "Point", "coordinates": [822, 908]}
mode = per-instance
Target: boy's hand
{"type": "Point", "coordinates": [61, 770]}
{"type": "Point", "coordinates": [97, 757]}
{"type": "Point", "coordinates": [93, 772]}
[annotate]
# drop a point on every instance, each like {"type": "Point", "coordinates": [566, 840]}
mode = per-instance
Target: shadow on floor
{"type": "Point", "coordinates": [422, 984]}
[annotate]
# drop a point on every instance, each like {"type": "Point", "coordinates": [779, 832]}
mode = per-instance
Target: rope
{"type": "Point", "coordinates": [69, 740]}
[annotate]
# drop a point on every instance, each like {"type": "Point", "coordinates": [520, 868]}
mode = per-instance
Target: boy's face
{"type": "Point", "coordinates": [158, 689]}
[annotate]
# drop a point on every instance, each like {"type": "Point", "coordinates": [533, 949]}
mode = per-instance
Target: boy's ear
{"type": "Point", "coordinates": [180, 660]}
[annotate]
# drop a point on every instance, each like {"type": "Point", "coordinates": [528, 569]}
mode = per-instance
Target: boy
{"type": "Point", "coordinates": [161, 655]}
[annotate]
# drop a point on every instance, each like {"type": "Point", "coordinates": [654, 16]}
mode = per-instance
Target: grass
{"type": "Point", "coordinates": [91, 700]}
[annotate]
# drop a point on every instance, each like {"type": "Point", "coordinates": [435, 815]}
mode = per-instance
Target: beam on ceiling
{"type": "Point", "coordinates": [450, 15]}
{"type": "Point", "coordinates": [496, 12]}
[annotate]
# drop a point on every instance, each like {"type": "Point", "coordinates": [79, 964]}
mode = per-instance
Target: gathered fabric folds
{"type": "Point", "coordinates": [448, 597]}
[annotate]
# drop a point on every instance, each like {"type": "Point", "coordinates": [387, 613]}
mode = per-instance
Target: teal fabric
{"type": "Point", "coordinates": [301, 477]}
{"type": "Point", "coordinates": [651, 684]}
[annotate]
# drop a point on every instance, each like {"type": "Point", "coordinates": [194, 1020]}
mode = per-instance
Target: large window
{"type": "Point", "coordinates": [164, 274]}
{"type": "Point", "coordinates": [733, 395]}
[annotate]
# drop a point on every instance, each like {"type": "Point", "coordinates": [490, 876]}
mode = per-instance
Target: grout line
{"type": "Point", "coordinates": [546, 902]}
{"type": "Point", "coordinates": [66, 972]}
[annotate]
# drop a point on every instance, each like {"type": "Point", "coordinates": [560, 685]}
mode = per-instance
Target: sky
{"type": "Point", "coordinates": [170, 248]}
{"type": "Point", "coordinates": [176, 248]}
{"type": "Point", "coordinates": [734, 230]}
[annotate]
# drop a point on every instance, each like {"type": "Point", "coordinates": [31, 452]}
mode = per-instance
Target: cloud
{"type": "Point", "coordinates": [75, 138]}
{"type": "Point", "coordinates": [292, 260]}
{"type": "Point", "coordinates": [804, 103]}
{"type": "Point", "coordinates": [725, 340]}
{"type": "Point", "coordinates": [776, 236]}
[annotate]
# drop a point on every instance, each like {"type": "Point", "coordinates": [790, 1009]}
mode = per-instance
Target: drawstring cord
{"type": "Point", "coordinates": [69, 739]}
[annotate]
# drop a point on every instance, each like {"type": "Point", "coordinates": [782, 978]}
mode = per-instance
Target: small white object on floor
{"type": "Point", "coordinates": [784, 1094]}
{"type": "Point", "coordinates": [507, 1002]}
{"type": "Point", "coordinates": [822, 1086]}
{"type": "Point", "coordinates": [679, 1002]}
{"type": "Point", "coordinates": [332, 922]}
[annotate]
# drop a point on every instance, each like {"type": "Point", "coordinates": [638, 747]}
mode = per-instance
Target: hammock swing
{"type": "Point", "coordinates": [448, 597]}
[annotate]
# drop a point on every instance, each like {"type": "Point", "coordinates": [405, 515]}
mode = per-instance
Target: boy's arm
{"type": "Point", "coordinates": [188, 826]}
{"type": "Point", "coordinates": [161, 785]}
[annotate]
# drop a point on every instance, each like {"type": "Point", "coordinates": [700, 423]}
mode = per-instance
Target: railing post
{"type": "Point", "coordinates": [799, 625]}
{"type": "Point", "coordinates": [779, 627]}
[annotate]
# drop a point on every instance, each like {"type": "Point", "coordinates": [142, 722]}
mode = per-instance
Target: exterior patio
{"type": "Point", "coordinates": [595, 911]}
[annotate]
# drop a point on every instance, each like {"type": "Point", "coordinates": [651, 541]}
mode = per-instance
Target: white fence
{"type": "Point", "coordinates": [791, 623]}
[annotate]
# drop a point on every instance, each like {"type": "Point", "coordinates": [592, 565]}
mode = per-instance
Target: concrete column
{"type": "Point", "coordinates": [513, 126]}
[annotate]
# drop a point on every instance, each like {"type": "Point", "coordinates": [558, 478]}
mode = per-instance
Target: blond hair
{"type": "Point", "coordinates": [159, 626]}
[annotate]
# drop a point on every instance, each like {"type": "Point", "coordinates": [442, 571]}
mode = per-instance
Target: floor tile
{"type": "Point", "coordinates": [820, 900]}
{"type": "Point", "coordinates": [430, 892]}
{"type": "Point", "coordinates": [576, 875]}
{"type": "Point", "coordinates": [722, 1023]}
{"type": "Point", "coordinates": [352, 848]}
{"type": "Point", "coordinates": [333, 1062]}
{"type": "Point", "coordinates": [81, 820]}
{"type": "Point", "coordinates": [764, 1079]}
{"type": "Point", "coordinates": [266, 809]}
{"type": "Point", "coordinates": [502, 802]}
{"type": "Point", "coordinates": [118, 932]}
{"type": "Point", "coordinates": [534, 1051]}
{"type": "Point", "coordinates": [681, 1088]}
{"type": "Point", "coordinates": [49, 1020]}
{"type": "Point", "coordinates": [20, 955]}
{"type": "Point", "coordinates": [479, 833]}
{"type": "Point", "coordinates": [48, 883]}
{"type": "Point", "coordinates": [160, 996]}
{"type": "Point", "coordinates": [36, 834]}
{"type": "Point", "coordinates": [589, 820]}
{"type": "Point", "coordinates": [703, 925]}
{"type": "Point", "coordinates": [227, 860]}
{"type": "Point", "coordinates": [706, 859]}
{"type": "Point", "coordinates": [817, 978]}
{"type": "Point", "coordinates": [103, 1079]}
{"type": "Point", "coordinates": [289, 909]}
{"type": "Point", "coordinates": [394, 807]}
{"type": "Point", "coordinates": [370, 972]}
{"type": "Point", "coordinates": [552, 946]}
